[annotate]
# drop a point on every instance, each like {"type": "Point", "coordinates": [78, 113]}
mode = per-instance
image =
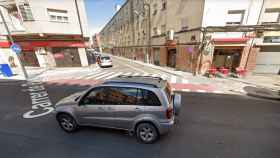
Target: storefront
{"type": "Point", "coordinates": [228, 58]}
{"type": "Point", "coordinates": [230, 53]}
{"type": "Point", "coordinates": [54, 53]}
{"type": "Point", "coordinates": [66, 57]}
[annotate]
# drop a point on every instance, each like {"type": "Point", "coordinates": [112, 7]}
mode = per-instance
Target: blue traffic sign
{"type": "Point", "coordinates": [16, 48]}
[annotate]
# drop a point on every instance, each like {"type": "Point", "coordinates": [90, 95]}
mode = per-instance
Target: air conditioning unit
{"type": "Point", "coordinates": [170, 35]}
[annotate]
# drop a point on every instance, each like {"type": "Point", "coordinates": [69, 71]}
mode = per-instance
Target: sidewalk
{"type": "Point", "coordinates": [231, 85]}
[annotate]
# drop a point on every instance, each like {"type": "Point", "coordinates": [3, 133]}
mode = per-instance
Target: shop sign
{"type": "Point", "coordinates": [59, 56]}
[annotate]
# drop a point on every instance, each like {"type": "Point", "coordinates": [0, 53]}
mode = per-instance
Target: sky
{"type": "Point", "coordinates": [99, 12]}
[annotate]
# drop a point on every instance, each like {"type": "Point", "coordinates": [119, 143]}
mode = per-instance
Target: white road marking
{"type": "Point", "coordinates": [185, 81]}
{"type": "Point", "coordinates": [218, 92]}
{"type": "Point", "coordinates": [96, 75]}
{"type": "Point", "coordinates": [87, 75]}
{"type": "Point", "coordinates": [115, 75]}
{"type": "Point", "coordinates": [136, 74]}
{"type": "Point", "coordinates": [145, 74]}
{"type": "Point", "coordinates": [105, 75]}
{"type": "Point", "coordinates": [173, 79]}
{"type": "Point", "coordinates": [163, 77]}
{"type": "Point", "coordinates": [135, 68]}
{"type": "Point", "coordinates": [201, 91]}
{"type": "Point", "coordinates": [41, 104]}
{"type": "Point", "coordinates": [127, 74]}
{"type": "Point", "coordinates": [186, 90]}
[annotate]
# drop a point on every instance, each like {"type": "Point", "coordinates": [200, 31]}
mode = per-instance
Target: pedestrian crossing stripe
{"type": "Point", "coordinates": [105, 75]}
{"type": "Point", "coordinates": [115, 75]}
{"type": "Point", "coordinates": [173, 79]}
{"type": "Point", "coordinates": [97, 74]}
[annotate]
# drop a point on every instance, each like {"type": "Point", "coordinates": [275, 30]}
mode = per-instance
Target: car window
{"type": "Point", "coordinates": [122, 96]}
{"type": "Point", "coordinates": [105, 58]}
{"type": "Point", "coordinates": [95, 97]}
{"type": "Point", "coordinates": [148, 98]}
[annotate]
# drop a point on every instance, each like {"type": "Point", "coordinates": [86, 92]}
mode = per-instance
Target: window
{"type": "Point", "coordinates": [155, 9]}
{"type": "Point", "coordinates": [155, 30]}
{"type": "Point", "coordinates": [95, 97]}
{"type": "Point", "coordinates": [163, 6]}
{"type": "Point", "coordinates": [58, 15]}
{"type": "Point", "coordinates": [235, 17]}
{"type": "Point", "coordinates": [148, 98]}
{"type": "Point", "coordinates": [26, 12]}
{"type": "Point", "coordinates": [271, 15]}
{"type": "Point", "coordinates": [163, 29]}
{"type": "Point", "coordinates": [184, 24]}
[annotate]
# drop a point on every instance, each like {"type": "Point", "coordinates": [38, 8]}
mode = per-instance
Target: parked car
{"type": "Point", "coordinates": [105, 61]}
{"type": "Point", "coordinates": [144, 106]}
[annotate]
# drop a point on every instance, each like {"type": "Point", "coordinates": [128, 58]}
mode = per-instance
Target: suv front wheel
{"type": "Point", "coordinates": [67, 122]}
{"type": "Point", "coordinates": [146, 133]}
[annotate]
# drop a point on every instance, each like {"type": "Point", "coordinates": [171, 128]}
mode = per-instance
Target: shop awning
{"type": "Point", "coordinates": [230, 40]}
{"type": "Point", "coordinates": [5, 44]}
{"type": "Point", "coordinates": [33, 44]}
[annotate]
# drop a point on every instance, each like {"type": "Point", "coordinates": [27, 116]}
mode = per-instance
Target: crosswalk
{"type": "Point", "coordinates": [106, 75]}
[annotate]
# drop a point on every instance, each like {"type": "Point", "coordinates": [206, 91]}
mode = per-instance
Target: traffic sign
{"type": "Point", "coordinates": [16, 48]}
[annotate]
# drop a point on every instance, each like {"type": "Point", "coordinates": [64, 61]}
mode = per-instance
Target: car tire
{"type": "Point", "coordinates": [146, 133]}
{"type": "Point", "coordinates": [67, 123]}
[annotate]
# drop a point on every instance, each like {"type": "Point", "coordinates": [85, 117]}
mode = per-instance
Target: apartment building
{"type": "Point", "coordinates": [96, 44]}
{"type": "Point", "coordinates": [51, 33]}
{"type": "Point", "coordinates": [195, 35]}
{"type": "Point", "coordinates": [268, 57]}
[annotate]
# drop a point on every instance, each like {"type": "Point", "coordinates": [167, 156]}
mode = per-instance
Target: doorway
{"type": "Point", "coordinates": [171, 58]}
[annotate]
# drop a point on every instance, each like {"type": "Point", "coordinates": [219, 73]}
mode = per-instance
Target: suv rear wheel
{"type": "Point", "coordinates": [67, 122]}
{"type": "Point", "coordinates": [146, 133]}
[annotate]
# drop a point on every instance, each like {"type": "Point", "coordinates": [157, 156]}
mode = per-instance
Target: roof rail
{"type": "Point", "coordinates": [127, 76]}
{"type": "Point", "coordinates": [124, 82]}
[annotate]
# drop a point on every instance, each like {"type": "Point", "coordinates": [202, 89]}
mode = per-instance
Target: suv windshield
{"type": "Point", "coordinates": [105, 58]}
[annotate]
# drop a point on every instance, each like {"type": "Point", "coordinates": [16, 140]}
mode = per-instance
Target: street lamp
{"type": "Point", "coordinates": [12, 41]}
{"type": "Point", "coordinates": [147, 6]}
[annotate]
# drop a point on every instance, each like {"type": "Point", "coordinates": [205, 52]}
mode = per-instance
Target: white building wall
{"type": "Point", "coordinates": [42, 23]}
{"type": "Point", "coordinates": [216, 11]}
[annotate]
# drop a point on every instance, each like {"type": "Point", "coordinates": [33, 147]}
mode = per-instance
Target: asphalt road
{"type": "Point", "coordinates": [210, 126]}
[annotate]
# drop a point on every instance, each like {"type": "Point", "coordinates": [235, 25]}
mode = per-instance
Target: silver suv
{"type": "Point", "coordinates": [143, 105]}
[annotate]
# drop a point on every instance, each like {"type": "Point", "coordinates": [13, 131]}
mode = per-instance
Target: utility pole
{"type": "Point", "coordinates": [146, 4]}
{"type": "Point", "coordinates": [12, 42]}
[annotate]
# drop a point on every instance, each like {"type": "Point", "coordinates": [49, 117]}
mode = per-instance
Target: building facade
{"type": "Point", "coordinates": [50, 33]}
{"type": "Point", "coordinates": [96, 43]}
{"type": "Point", "coordinates": [196, 35]}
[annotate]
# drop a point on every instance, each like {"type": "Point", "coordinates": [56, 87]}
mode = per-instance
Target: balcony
{"type": "Point", "coordinates": [12, 17]}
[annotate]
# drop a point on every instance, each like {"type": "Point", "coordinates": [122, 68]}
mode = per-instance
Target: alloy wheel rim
{"type": "Point", "coordinates": [67, 123]}
{"type": "Point", "coordinates": [146, 134]}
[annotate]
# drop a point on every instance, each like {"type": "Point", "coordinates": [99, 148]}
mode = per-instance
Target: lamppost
{"type": "Point", "coordinates": [12, 41]}
{"type": "Point", "coordinates": [147, 6]}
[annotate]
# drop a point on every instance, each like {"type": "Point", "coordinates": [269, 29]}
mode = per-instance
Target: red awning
{"type": "Point", "coordinates": [5, 44]}
{"type": "Point", "coordinates": [230, 40]}
{"type": "Point", "coordinates": [32, 44]}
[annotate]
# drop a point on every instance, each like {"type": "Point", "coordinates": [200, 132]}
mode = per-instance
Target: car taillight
{"type": "Point", "coordinates": [169, 113]}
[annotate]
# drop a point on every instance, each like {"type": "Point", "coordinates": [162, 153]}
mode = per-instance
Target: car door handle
{"type": "Point", "coordinates": [110, 108]}
{"type": "Point", "coordinates": [138, 109]}
{"type": "Point", "coordinates": [100, 108]}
